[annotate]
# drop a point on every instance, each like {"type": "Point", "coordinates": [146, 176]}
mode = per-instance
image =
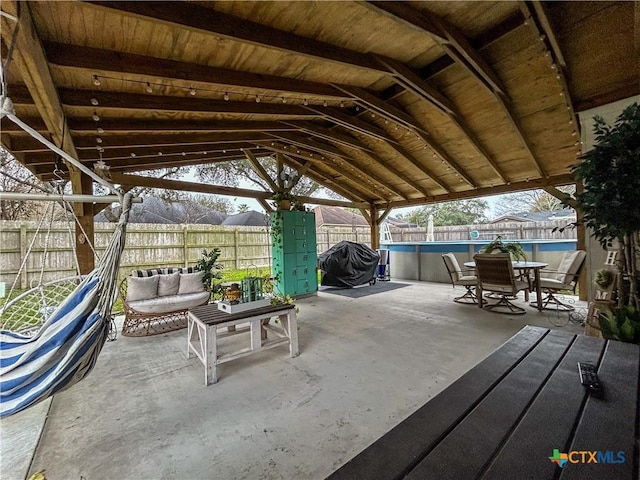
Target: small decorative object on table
{"type": "Point", "coordinates": [246, 296]}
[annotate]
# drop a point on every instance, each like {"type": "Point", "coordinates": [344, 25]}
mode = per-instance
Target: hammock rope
{"type": "Point", "coordinates": [65, 349]}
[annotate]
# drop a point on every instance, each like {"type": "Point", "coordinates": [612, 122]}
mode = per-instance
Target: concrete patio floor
{"type": "Point", "coordinates": [365, 364]}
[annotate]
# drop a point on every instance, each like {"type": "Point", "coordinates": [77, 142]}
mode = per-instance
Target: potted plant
{"type": "Point", "coordinates": [609, 203]}
{"type": "Point", "coordinates": [208, 264]}
{"type": "Point", "coordinates": [623, 324]}
{"type": "Point", "coordinates": [512, 248]}
{"type": "Point", "coordinates": [283, 199]}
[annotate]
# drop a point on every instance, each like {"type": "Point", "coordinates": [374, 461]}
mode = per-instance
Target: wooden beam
{"type": "Point", "coordinates": [207, 20]}
{"type": "Point", "coordinates": [267, 208]}
{"type": "Point", "coordinates": [384, 215]}
{"type": "Point", "coordinates": [369, 100]}
{"type": "Point", "coordinates": [444, 157]}
{"type": "Point", "coordinates": [147, 102]}
{"type": "Point", "coordinates": [316, 145]}
{"type": "Point", "coordinates": [352, 123]}
{"type": "Point", "coordinates": [259, 169]}
{"type": "Point", "coordinates": [413, 19]}
{"type": "Point", "coordinates": [563, 197]}
{"type": "Point", "coordinates": [84, 226]}
{"type": "Point", "coordinates": [130, 125]}
{"type": "Point", "coordinates": [29, 59]}
{"type": "Point", "coordinates": [564, 179]}
{"type": "Point", "coordinates": [537, 18]}
{"type": "Point", "coordinates": [95, 59]}
{"type": "Point", "coordinates": [374, 226]}
{"type": "Point", "coordinates": [416, 84]}
{"type": "Point", "coordinates": [120, 142]}
{"type": "Point", "coordinates": [424, 169]}
{"type": "Point", "coordinates": [328, 134]}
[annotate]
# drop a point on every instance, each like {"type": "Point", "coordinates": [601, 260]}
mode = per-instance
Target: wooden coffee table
{"type": "Point", "coordinates": [205, 321]}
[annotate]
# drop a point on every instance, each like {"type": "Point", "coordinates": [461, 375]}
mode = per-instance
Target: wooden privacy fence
{"type": "Point", "coordinates": [148, 246]}
{"type": "Point", "coordinates": [159, 245]}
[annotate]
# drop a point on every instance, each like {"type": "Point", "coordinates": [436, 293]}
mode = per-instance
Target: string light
{"type": "Point", "coordinates": [95, 116]}
{"type": "Point", "coordinates": [100, 130]}
{"type": "Point", "coordinates": [192, 91]}
{"type": "Point", "coordinates": [226, 96]}
{"type": "Point", "coordinates": [133, 154]}
{"type": "Point", "coordinates": [98, 140]}
{"type": "Point", "coordinates": [284, 100]}
{"type": "Point", "coordinates": [325, 103]}
{"type": "Point", "coordinates": [96, 81]}
{"type": "Point", "coordinates": [94, 101]}
{"type": "Point", "coordinates": [257, 98]}
{"type": "Point", "coordinates": [341, 104]}
{"type": "Point", "coordinates": [148, 89]}
{"type": "Point", "coordinates": [305, 102]}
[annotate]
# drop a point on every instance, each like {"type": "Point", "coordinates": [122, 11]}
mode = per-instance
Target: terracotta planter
{"type": "Point", "coordinates": [284, 205]}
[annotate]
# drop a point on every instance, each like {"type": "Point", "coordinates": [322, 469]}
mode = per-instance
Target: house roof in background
{"type": "Point", "coordinates": [326, 215]}
{"type": "Point", "coordinates": [250, 218]}
{"type": "Point", "coordinates": [545, 216]}
{"type": "Point", "coordinates": [156, 210]}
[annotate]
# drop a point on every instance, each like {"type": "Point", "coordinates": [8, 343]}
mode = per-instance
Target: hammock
{"type": "Point", "coordinates": [65, 349]}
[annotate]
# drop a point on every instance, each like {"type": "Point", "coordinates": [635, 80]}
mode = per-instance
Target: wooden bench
{"type": "Point", "coordinates": [507, 416]}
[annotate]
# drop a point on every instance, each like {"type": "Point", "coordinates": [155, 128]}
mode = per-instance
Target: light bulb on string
{"type": "Point", "coordinates": [95, 116]}
{"type": "Point", "coordinates": [305, 102]}
{"type": "Point", "coordinates": [192, 91]}
{"type": "Point", "coordinates": [341, 104]}
{"type": "Point", "coordinates": [284, 100]}
{"type": "Point", "coordinates": [98, 140]}
{"type": "Point", "coordinates": [94, 101]}
{"type": "Point", "coordinates": [226, 96]}
{"type": "Point", "coordinates": [325, 103]}
{"type": "Point", "coordinates": [100, 130]}
{"type": "Point", "coordinates": [96, 81]}
{"type": "Point", "coordinates": [148, 88]}
{"type": "Point", "coordinates": [257, 98]}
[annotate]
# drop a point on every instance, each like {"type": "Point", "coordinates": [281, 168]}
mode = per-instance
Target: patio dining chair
{"type": "Point", "coordinates": [565, 277]}
{"type": "Point", "coordinates": [495, 274]}
{"type": "Point", "coordinates": [465, 278]}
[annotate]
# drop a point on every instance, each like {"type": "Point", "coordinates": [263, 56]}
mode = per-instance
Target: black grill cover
{"type": "Point", "coordinates": [348, 264]}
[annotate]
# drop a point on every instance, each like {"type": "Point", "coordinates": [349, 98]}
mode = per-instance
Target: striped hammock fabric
{"type": "Point", "coordinates": [62, 353]}
{"type": "Point", "coordinates": [67, 346]}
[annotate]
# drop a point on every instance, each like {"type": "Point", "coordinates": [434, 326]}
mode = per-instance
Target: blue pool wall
{"type": "Point", "coordinates": [422, 261]}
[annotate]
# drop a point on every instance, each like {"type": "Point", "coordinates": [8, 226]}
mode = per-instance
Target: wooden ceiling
{"type": "Point", "coordinates": [386, 103]}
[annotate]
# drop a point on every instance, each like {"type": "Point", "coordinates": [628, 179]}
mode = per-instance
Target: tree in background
{"type": "Point", "coordinates": [16, 178]}
{"type": "Point", "coordinates": [232, 173]}
{"type": "Point", "coordinates": [243, 208]}
{"type": "Point", "coordinates": [460, 212]}
{"type": "Point", "coordinates": [530, 201]}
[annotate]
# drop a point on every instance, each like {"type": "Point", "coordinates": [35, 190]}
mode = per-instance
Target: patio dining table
{"type": "Point", "coordinates": [524, 268]}
{"type": "Point", "coordinates": [522, 413]}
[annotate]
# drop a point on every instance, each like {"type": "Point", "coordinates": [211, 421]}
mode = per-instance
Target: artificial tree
{"type": "Point", "coordinates": [610, 201]}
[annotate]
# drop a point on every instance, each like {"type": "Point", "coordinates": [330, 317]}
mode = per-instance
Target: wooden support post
{"type": "Point", "coordinates": [375, 227]}
{"type": "Point", "coordinates": [279, 170]}
{"type": "Point", "coordinates": [583, 282]}
{"type": "Point", "coordinates": [24, 281]}
{"type": "Point", "coordinates": [82, 184]}
{"type": "Point", "coordinates": [185, 247]}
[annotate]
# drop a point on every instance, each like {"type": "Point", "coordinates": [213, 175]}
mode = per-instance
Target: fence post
{"type": "Point", "coordinates": [236, 239]}
{"type": "Point", "coordinates": [185, 246]}
{"type": "Point", "coordinates": [23, 251]}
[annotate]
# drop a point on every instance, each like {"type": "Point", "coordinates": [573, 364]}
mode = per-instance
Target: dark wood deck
{"type": "Point", "coordinates": [505, 417]}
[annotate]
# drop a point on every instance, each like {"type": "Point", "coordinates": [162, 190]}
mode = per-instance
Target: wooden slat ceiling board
{"type": "Point", "coordinates": [387, 103]}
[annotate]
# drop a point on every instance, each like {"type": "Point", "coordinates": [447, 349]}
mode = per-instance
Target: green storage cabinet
{"type": "Point", "coordinates": [294, 252]}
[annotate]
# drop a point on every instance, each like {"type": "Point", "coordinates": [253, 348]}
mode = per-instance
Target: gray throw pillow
{"type": "Point", "coordinates": [191, 283]}
{"type": "Point", "coordinates": [168, 284]}
{"type": "Point", "coordinates": [142, 288]}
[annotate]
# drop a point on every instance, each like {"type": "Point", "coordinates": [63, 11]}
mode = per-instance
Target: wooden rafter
{"type": "Point", "coordinates": [328, 134]}
{"type": "Point", "coordinates": [412, 81]}
{"type": "Point", "coordinates": [125, 125]}
{"type": "Point", "coordinates": [352, 123]}
{"type": "Point", "coordinates": [323, 148]}
{"type": "Point", "coordinates": [564, 179]}
{"type": "Point", "coordinates": [207, 20]}
{"type": "Point", "coordinates": [417, 164]}
{"type": "Point", "coordinates": [326, 182]}
{"type": "Point", "coordinates": [538, 20]}
{"type": "Point", "coordinates": [562, 196]}
{"type": "Point", "coordinates": [139, 101]}
{"type": "Point", "coordinates": [259, 169]}
{"type": "Point", "coordinates": [446, 158]}
{"type": "Point", "coordinates": [419, 86]}
{"type": "Point", "coordinates": [369, 100]}
{"type": "Point", "coordinates": [95, 59]}
{"type": "Point", "coordinates": [152, 182]}
{"type": "Point", "coordinates": [459, 48]}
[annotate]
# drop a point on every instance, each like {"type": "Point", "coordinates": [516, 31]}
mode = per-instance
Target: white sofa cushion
{"type": "Point", "coordinates": [191, 283]}
{"type": "Point", "coordinates": [141, 288]}
{"type": "Point", "coordinates": [170, 303]}
{"type": "Point", "coordinates": [168, 284]}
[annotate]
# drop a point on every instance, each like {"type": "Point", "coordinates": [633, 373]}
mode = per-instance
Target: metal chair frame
{"type": "Point", "coordinates": [457, 277]}
{"type": "Point", "coordinates": [495, 274]}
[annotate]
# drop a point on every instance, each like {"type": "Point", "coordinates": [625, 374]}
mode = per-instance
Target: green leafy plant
{"type": "Point", "coordinates": [512, 248]}
{"type": "Point", "coordinates": [611, 176]}
{"type": "Point", "coordinates": [622, 324]}
{"type": "Point", "coordinates": [282, 198]}
{"type": "Point", "coordinates": [212, 269]}
{"type": "Point", "coordinates": [604, 278]}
